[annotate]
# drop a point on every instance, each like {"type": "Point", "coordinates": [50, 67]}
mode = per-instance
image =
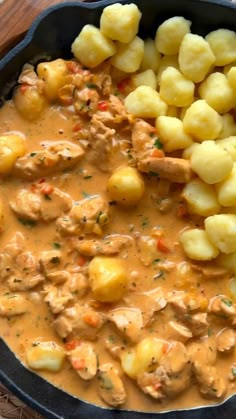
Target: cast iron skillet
{"type": "Point", "coordinates": [50, 36]}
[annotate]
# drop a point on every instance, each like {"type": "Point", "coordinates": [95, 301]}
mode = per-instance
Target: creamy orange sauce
{"type": "Point", "coordinates": [56, 123]}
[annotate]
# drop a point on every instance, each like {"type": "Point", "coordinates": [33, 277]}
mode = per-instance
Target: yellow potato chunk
{"type": "Point", "coordinates": [197, 245]}
{"type": "Point", "coordinates": [232, 78]}
{"type": "Point", "coordinates": [195, 57]}
{"type": "Point", "coordinates": [217, 92]}
{"type": "Point", "coordinates": [170, 33]}
{"type": "Point", "coordinates": [146, 78]}
{"type": "Point", "coordinates": [202, 121]}
{"type": "Point", "coordinates": [227, 261]}
{"type": "Point", "coordinates": [165, 62]}
{"type": "Point", "coordinates": [145, 102]}
{"type": "Point", "coordinates": [129, 56]}
{"type": "Point", "coordinates": [54, 75]}
{"type": "Point", "coordinates": [151, 57]}
{"type": "Point", "coordinates": [45, 356]}
{"type": "Point", "coordinates": [91, 47]}
{"type": "Point", "coordinates": [223, 45]}
{"type": "Point", "coordinates": [229, 127]}
{"type": "Point", "coordinates": [228, 144]}
{"type": "Point", "coordinates": [172, 134]}
{"type": "Point", "coordinates": [120, 22]}
{"type": "Point", "coordinates": [201, 198]}
{"type": "Point", "coordinates": [175, 89]}
{"type": "Point", "coordinates": [226, 190]}
{"type": "Point", "coordinates": [29, 102]}
{"type": "Point", "coordinates": [212, 163]}
{"type": "Point", "coordinates": [108, 278]}
{"type": "Point", "coordinates": [221, 230]}
{"type": "Point", "coordinates": [228, 67]}
{"type": "Point", "coordinates": [12, 146]}
{"type": "Point", "coordinates": [126, 186]}
{"type": "Point", "coordinates": [187, 153]}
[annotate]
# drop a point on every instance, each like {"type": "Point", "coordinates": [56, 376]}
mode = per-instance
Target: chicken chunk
{"type": "Point", "coordinates": [197, 323]}
{"type": "Point", "coordinates": [203, 352]}
{"type": "Point", "coordinates": [13, 305]}
{"type": "Point", "coordinates": [110, 245]}
{"type": "Point", "coordinates": [129, 322]}
{"type": "Point", "coordinates": [55, 157]}
{"type": "Point", "coordinates": [223, 306]}
{"type": "Point", "coordinates": [185, 302]}
{"type": "Point", "coordinates": [111, 387]}
{"type": "Point", "coordinates": [44, 203]}
{"type": "Point", "coordinates": [178, 331]}
{"type": "Point", "coordinates": [226, 340]}
{"type": "Point", "coordinates": [142, 138]}
{"type": "Point", "coordinates": [102, 143]}
{"type": "Point", "coordinates": [211, 384]}
{"type": "Point", "coordinates": [208, 270]}
{"type": "Point", "coordinates": [173, 169]}
{"type": "Point", "coordinates": [29, 76]}
{"type": "Point", "coordinates": [13, 248]}
{"type": "Point", "coordinates": [115, 113]}
{"type": "Point", "coordinates": [86, 216]}
{"type": "Point", "coordinates": [84, 360]}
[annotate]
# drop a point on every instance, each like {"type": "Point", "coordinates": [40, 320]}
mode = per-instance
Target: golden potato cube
{"type": "Point", "coordinates": [221, 230]}
{"type": "Point", "coordinates": [29, 102]}
{"type": "Point", "coordinates": [165, 62]}
{"type": "Point", "coordinates": [229, 126]}
{"type": "Point", "coordinates": [146, 78]}
{"type": "Point", "coordinates": [226, 190]}
{"type": "Point", "coordinates": [170, 34]}
{"type": "Point", "coordinates": [187, 153]}
{"type": "Point", "coordinates": [211, 162]}
{"type": "Point", "coordinates": [45, 356]}
{"type": "Point", "coordinates": [172, 134]}
{"type": "Point", "coordinates": [175, 89]}
{"type": "Point", "coordinates": [145, 102]}
{"type": "Point", "coordinates": [217, 92]}
{"type": "Point", "coordinates": [201, 198]}
{"type": "Point", "coordinates": [12, 146]}
{"type": "Point", "coordinates": [231, 76]}
{"type": "Point", "coordinates": [227, 261]}
{"type": "Point", "coordinates": [228, 67]}
{"type": "Point", "coordinates": [202, 121]}
{"type": "Point", "coordinates": [228, 144]}
{"type": "Point", "coordinates": [54, 75]}
{"type": "Point", "coordinates": [108, 278]}
{"type": "Point", "coordinates": [151, 57]}
{"type": "Point", "coordinates": [120, 22]}
{"type": "Point", "coordinates": [129, 56]}
{"type": "Point", "coordinates": [91, 47]}
{"type": "Point", "coordinates": [126, 186]}
{"type": "Point", "coordinates": [197, 245]}
{"type": "Point", "coordinates": [195, 57]}
{"type": "Point", "coordinates": [223, 46]}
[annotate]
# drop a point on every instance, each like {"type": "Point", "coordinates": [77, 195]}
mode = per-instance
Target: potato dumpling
{"type": "Point", "coordinates": [195, 57]}
{"type": "Point", "coordinates": [227, 261]}
{"type": "Point", "coordinates": [54, 75]}
{"type": "Point", "coordinates": [29, 102]}
{"type": "Point", "coordinates": [223, 45]}
{"type": "Point", "coordinates": [232, 78]}
{"type": "Point", "coordinates": [172, 134]}
{"type": "Point", "coordinates": [145, 102]}
{"type": "Point", "coordinates": [228, 144]}
{"type": "Point", "coordinates": [146, 78]}
{"type": "Point", "coordinates": [187, 153]}
{"type": "Point", "coordinates": [197, 245]}
{"type": "Point", "coordinates": [175, 89]}
{"type": "Point", "coordinates": [202, 121]}
{"type": "Point", "coordinates": [129, 56]}
{"type": "Point", "coordinates": [165, 62]}
{"type": "Point", "coordinates": [170, 33]}
{"type": "Point", "coordinates": [212, 163]}
{"type": "Point", "coordinates": [108, 278]}
{"type": "Point", "coordinates": [126, 186]}
{"type": "Point", "coordinates": [229, 127]}
{"type": "Point", "coordinates": [120, 22]}
{"type": "Point", "coordinates": [45, 356]}
{"type": "Point", "coordinates": [201, 198]}
{"type": "Point", "coordinates": [226, 190]}
{"type": "Point", "coordinates": [217, 92]}
{"type": "Point", "coordinates": [151, 57]}
{"type": "Point", "coordinates": [12, 146]}
{"type": "Point", "coordinates": [221, 230]}
{"type": "Point", "coordinates": [91, 47]}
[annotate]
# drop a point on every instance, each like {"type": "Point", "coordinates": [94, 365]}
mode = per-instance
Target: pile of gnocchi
{"type": "Point", "coordinates": [186, 83]}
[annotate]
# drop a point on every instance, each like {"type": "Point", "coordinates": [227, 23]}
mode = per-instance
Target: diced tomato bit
{"type": "Point", "coordinates": [42, 180]}
{"type": "Point", "coordinates": [78, 364]}
{"type": "Point", "coordinates": [47, 189]}
{"type": "Point", "coordinates": [165, 348]}
{"type": "Point", "coordinates": [156, 152]}
{"type": "Point", "coordinates": [91, 319]}
{"type": "Point", "coordinates": [81, 260]}
{"type": "Point", "coordinates": [102, 105]}
{"type": "Point", "coordinates": [23, 88]}
{"type": "Point", "coordinates": [73, 67]}
{"type": "Point", "coordinates": [77, 127]}
{"type": "Point", "coordinates": [72, 345]}
{"type": "Point", "coordinates": [162, 246]}
{"type": "Point", "coordinates": [181, 210]}
{"type": "Point", "coordinates": [67, 101]}
{"type": "Point", "coordinates": [157, 386]}
{"type": "Point", "coordinates": [121, 86]}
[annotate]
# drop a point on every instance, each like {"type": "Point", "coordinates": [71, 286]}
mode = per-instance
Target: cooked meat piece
{"type": "Point", "coordinates": [129, 322]}
{"type": "Point", "coordinates": [147, 249]}
{"type": "Point", "coordinates": [113, 349]}
{"type": "Point", "coordinates": [110, 245]}
{"type": "Point", "coordinates": [197, 323]}
{"type": "Point", "coordinates": [85, 101]}
{"type": "Point", "coordinates": [13, 305]}
{"type": "Point", "coordinates": [111, 387]}
{"type": "Point", "coordinates": [56, 156]}
{"type": "Point", "coordinates": [79, 320]}
{"type": "Point", "coordinates": [29, 76]}
{"type": "Point", "coordinates": [211, 384]}
{"type": "Point", "coordinates": [13, 248]}
{"type": "Point", "coordinates": [142, 138]}
{"type": "Point", "coordinates": [38, 205]}
{"type": "Point", "coordinates": [226, 340]}
{"type": "Point", "coordinates": [50, 261]}
{"type": "Point", "coordinates": [83, 359]}
{"type": "Point", "coordinates": [208, 270]}
{"type": "Point", "coordinates": [173, 169]}
{"type": "Point", "coordinates": [203, 352]}
{"type": "Point", "coordinates": [178, 331]}
{"type": "Point", "coordinates": [57, 298]}
{"type": "Point", "coordinates": [185, 302]}
{"type": "Point", "coordinates": [102, 143]}
{"type": "Point", "coordinates": [222, 305]}
{"type": "Point", "coordinates": [86, 216]}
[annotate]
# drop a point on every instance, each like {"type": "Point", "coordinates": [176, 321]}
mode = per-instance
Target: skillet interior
{"type": "Point", "coordinates": [50, 37]}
